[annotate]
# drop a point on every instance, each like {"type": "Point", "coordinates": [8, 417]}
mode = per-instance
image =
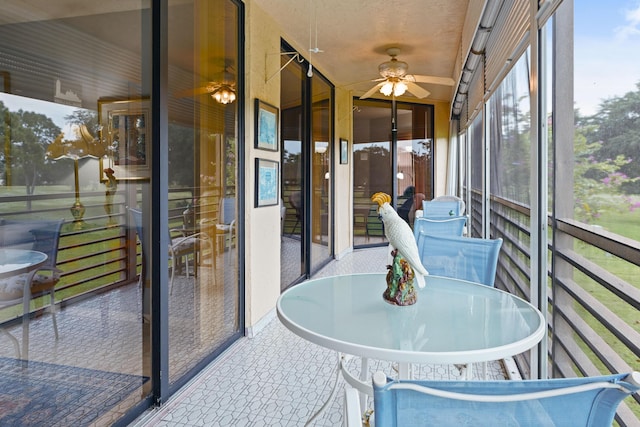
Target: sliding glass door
{"type": "Point", "coordinates": [306, 146]}
{"type": "Point", "coordinates": [394, 160]}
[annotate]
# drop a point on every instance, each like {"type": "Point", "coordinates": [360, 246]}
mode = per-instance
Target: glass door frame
{"type": "Point", "coordinates": [306, 158]}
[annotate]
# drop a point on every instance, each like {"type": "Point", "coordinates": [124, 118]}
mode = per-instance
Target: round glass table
{"type": "Point", "coordinates": [19, 261]}
{"type": "Point", "coordinates": [15, 262]}
{"type": "Point", "coordinates": [452, 322]}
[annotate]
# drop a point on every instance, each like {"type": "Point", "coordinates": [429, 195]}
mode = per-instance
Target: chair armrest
{"type": "Point", "coordinates": [499, 398]}
{"type": "Point", "coordinates": [185, 236]}
{"type": "Point", "coordinates": [55, 271]}
{"type": "Point", "coordinates": [633, 378]}
{"type": "Point", "coordinates": [201, 236]}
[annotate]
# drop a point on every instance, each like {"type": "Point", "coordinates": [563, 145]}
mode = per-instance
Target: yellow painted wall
{"type": "Point", "coordinates": [343, 176]}
{"type": "Point", "coordinates": [441, 147]}
{"type": "Point", "coordinates": [262, 254]}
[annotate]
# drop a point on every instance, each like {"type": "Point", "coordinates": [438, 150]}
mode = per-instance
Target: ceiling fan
{"type": "Point", "coordinates": [395, 80]}
{"type": "Point", "coordinates": [222, 91]}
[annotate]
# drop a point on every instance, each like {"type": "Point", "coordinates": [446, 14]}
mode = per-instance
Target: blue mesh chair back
{"type": "Point", "coordinates": [588, 402]}
{"type": "Point", "coordinates": [449, 198]}
{"type": "Point", "coordinates": [466, 258]}
{"type": "Point", "coordinates": [42, 236]}
{"type": "Point", "coordinates": [439, 226]}
{"type": "Point", "coordinates": [37, 235]}
{"type": "Point", "coordinates": [441, 208]}
{"type": "Point", "coordinates": [227, 210]}
{"type": "Point", "coordinates": [137, 219]}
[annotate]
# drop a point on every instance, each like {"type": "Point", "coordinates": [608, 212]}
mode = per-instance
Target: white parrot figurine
{"type": "Point", "coordinates": [400, 236]}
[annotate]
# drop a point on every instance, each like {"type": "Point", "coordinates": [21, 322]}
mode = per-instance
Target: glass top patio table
{"type": "Point", "coordinates": [453, 321]}
{"type": "Point", "coordinates": [18, 261]}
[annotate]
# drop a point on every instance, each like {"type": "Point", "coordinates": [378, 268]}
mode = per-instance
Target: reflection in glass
{"type": "Point", "coordinates": [321, 155]}
{"type": "Point", "coordinates": [203, 301]}
{"type": "Point", "coordinates": [510, 119]}
{"type": "Point", "coordinates": [53, 74]}
{"type": "Point", "coordinates": [292, 265]}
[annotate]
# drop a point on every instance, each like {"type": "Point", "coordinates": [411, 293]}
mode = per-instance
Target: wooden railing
{"type": "Point", "coordinates": [593, 324]}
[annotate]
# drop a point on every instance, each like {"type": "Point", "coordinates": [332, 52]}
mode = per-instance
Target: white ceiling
{"type": "Point", "coordinates": [354, 36]}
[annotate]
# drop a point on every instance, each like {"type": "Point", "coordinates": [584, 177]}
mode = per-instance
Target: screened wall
{"type": "Point", "coordinates": [548, 138]}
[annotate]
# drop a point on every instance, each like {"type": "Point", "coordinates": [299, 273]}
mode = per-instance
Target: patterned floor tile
{"type": "Point", "coordinates": [278, 379]}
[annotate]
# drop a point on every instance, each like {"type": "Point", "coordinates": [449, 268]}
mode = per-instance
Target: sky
{"type": "Point", "coordinates": [56, 112]}
{"type": "Point", "coordinates": [607, 46]}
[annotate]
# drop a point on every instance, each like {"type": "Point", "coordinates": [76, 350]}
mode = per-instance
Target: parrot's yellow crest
{"type": "Point", "coordinates": [381, 198]}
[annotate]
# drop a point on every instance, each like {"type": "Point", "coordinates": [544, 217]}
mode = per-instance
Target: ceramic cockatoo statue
{"type": "Point", "coordinates": [400, 236]}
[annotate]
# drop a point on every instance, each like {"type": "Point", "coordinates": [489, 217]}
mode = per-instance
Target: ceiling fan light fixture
{"type": "Point", "coordinates": [399, 89]}
{"type": "Point", "coordinates": [393, 68]}
{"type": "Point", "coordinates": [224, 94]}
{"type": "Point", "coordinates": [386, 89]}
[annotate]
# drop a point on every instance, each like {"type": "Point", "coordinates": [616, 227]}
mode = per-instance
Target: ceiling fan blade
{"type": "Point", "coordinates": [362, 81]}
{"type": "Point", "coordinates": [446, 81]}
{"type": "Point", "coordinates": [372, 91]}
{"type": "Point", "coordinates": [189, 93]}
{"type": "Point", "coordinates": [416, 90]}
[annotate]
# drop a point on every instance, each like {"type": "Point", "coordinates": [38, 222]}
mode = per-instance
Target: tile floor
{"type": "Point", "coordinates": [277, 378]}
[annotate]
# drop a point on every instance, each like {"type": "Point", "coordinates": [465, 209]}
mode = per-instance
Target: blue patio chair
{"type": "Point", "coordinates": [441, 208]}
{"type": "Point", "coordinates": [439, 226]}
{"type": "Point", "coordinates": [576, 402]}
{"type": "Point", "coordinates": [449, 198]}
{"type": "Point", "coordinates": [466, 258]}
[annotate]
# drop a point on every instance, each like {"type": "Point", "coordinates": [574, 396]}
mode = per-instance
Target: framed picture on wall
{"type": "Point", "coordinates": [125, 131]}
{"type": "Point", "coordinates": [344, 151]}
{"type": "Point", "coordinates": [266, 126]}
{"type": "Point", "coordinates": [267, 182]}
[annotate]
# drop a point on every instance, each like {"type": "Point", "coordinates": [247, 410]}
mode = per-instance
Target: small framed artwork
{"type": "Point", "coordinates": [267, 182]}
{"type": "Point", "coordinates": [344, 151]}
{"type": "Point", "coordinates": [125, 131]}
{"type": "Point", "coordinates": [266, 126]}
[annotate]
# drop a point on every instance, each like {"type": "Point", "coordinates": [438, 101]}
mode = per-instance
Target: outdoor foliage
{"type": "Point", "coordinates": [617, 127]}
{"type": "Point", "coordinates": [30, 133]}
{"type": "Point", "coordinates": [605, 145]}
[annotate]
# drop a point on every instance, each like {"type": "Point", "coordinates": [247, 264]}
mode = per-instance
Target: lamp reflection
{"type": "Point", "coordinates": [84, 145]}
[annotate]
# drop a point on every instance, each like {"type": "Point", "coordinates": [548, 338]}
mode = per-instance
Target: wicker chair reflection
{"type": "Point", "coordinates": [585, 402]}
{"type": "Point", "coordinates": [182, 246]}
